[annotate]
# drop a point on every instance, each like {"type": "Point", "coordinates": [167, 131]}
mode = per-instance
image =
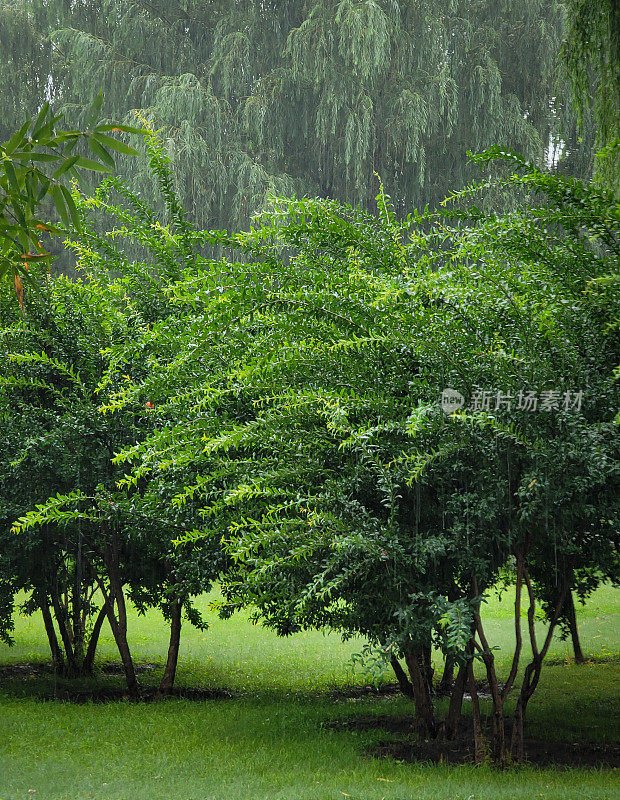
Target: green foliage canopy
{"type": "Point", "coordinates": [303, 385]}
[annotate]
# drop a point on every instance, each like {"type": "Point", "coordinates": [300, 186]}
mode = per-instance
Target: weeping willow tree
{"type": "Point", "coordinates": [591, 55]}
{"type": "Point", "coordinates": [25, 71]}
{"type": "Point", "coordinates": [310, 96]}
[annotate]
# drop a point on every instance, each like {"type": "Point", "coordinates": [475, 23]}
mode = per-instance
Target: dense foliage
{"type": "Point", "coordinates": [56, 443]}
{"type": "Point", "coordinates": [303, 387]}
{"type": "Point", "coordinates": [355, 419]}
{"type": "Point", "coordinates": [302, 97]}
{"type": "Point", "coordinates": [591, 54]}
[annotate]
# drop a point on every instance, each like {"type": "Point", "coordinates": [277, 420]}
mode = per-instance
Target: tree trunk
{"type": "Point", "coordinates": [479, 744]}
{"type": "Point", "coordinates": [403, 681]}
{"type": "Point", "coordinates": [77, 623]}
{"type": "Point", "coordinates": [119, 632]}
{"type": "Point", "coordinates": [427, 664]}
{"type": "Point", "coordinates": [89, 658]}
{"type": "Point", "coordinates": [61, 618]}
{"type": "Point", "coordinates": [58, 661]}
{"type": "Point", "coordinates": [167, 681]}
{"type": "Point", "coordinates": [571, 617]}
{"type": "Point", "coordinates": [451, 724]}
{"type": "Point", "coordinates": [424, 718]}
{"type": "Point", "coordinates": [532, 672]}
{"type": "Point", "coordinates": [117, 596]}
{"type": "Point", "coordinates": [517, 745]}
{"type": "Point", "coordinates": [499, 732]}
{"type": "Point", "coordinates": [447, 675]}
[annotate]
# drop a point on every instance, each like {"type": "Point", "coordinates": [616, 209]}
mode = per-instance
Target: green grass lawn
{"type": "Point", "coordinates": [268, 739]}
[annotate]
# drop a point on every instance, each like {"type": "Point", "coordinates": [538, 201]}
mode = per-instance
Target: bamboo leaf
{"type": "Point", "coordinates": [73, 212]}
{"type": "Point", "coordinates": [88, 163]}
{"type": "Point", "coordinates": [59, 203]}
{"type": "Point", "coordinates": [101, 152]}
{"type": "Point", "coordinates": [115, 144]}
{"type": "Point", "coordinates": [66, 166]}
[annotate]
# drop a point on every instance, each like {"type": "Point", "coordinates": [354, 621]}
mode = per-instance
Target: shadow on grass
{"type": "Point", "coordinates": [38, 681]}
{"type": "Point", "coordinates": [540, 753]}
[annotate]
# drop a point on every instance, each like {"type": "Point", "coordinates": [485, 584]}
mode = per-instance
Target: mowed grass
{"type": "Point", "coordinates": [269, 739]}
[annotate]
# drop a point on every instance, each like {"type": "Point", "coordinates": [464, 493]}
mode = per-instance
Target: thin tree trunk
{"type": "Point", "coordinates": [89, 658]}
{"type": "Point", "coordinates": [117, 596]}
{"type": "Point", "coordinates": [77, 626]}
{"type": "Point", "coordinates": [479, 746]}
{"type": "Point", "coordinates": [58, 661]}
{"type": "Point", "coordinates": [514, 668]}
{"type": "Point", "coordinates": [571, 617]}
{"type": "Point", "coordinates": [451, 724]}
{"type": "Point", "coordinates": [447, 676]}
{"type": "Point", "coordinates": [499, 733]}
{"type": "Point", "coordinates": [61, 619]}
{"type": "Point", "coordinates": [427, 664]}
{"type": "Point", "coordinates": [167, 681]}
{"type": "Point", "coordinates": [119, 631]}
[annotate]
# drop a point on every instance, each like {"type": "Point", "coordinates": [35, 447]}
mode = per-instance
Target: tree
{"type": "Point", "coordinates": [88, 543]}
{"type": "Point", "coordinates": [310, 98]}
{"type": "Point", "coordinates": [311, 377]}
{"type": "Point", "coordinates": [591, 56]}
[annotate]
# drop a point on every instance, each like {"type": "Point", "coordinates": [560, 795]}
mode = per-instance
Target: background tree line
{"type": "Point", "coordinates": [305, 97]}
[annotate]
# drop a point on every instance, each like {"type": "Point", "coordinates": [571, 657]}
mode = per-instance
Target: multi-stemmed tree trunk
{"type": "Point", "coordinates": [417, 686]}
{"type": "Point", "coordinates": [73, 661]}
{"type": "Point", "coordinates": [57, 656]}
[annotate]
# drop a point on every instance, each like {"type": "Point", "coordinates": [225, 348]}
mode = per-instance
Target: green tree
{"type": "Point", "coordinates": [304, 386]}
{"type": "Point", "coordinates": [313, 97]}
{"type": "Point", "coordinates": [591, 54]}
{"type": "Point", "coordinates": [88, 543]}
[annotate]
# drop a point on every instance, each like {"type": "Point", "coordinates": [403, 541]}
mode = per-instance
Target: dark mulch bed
{"type": "Point", "coordinates": [36, 670]}
{"type": "Point", "coordinates": [542, 753]}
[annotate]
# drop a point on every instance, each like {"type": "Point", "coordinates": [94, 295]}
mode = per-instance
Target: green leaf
{"type": "Point", "coordinates": [28, 156]}
{"type": "Point", "coordinates": [88, 163]}
{"type": "Point", "coordinates": [45, 185]}
{"type": "Point", "coordinates": [17, 138]}
{"type": "Point", "coordinates": [66, 166]}
{"type": "Point", "coordinates": [59, 202]}
{"type": "Point", "coordinates": [123, 128]}
{"type": "Point", "coordinates": [101, 152]}
{"type": "Point", "coordinates": [115, 144]}
{"type": "Point", "coordinates": [94, 109]}
{"type": "Point", "coordinates": [11, 175]}
{"type": "Point", "coordinates": [75, 217]}
{"type": "Point", "coordinates": [70, 146]}
{"type": "Point", "coordinates": [38, 123]}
